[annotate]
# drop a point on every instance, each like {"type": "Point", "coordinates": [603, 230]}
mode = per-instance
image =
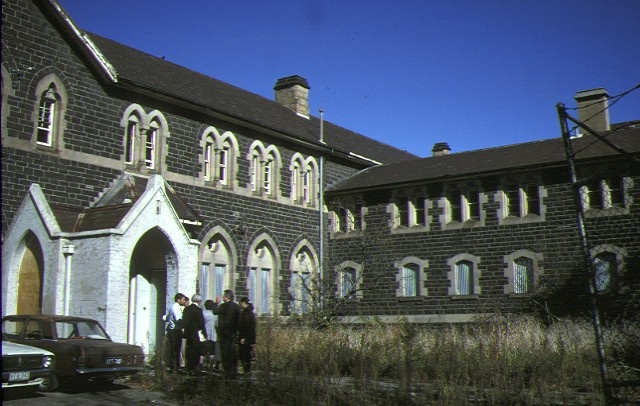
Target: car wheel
{"type": "Point", "coordinates": [50, 384]}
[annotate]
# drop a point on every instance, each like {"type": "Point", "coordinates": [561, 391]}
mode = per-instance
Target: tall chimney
{"type": "Point", "coordinates": [593, 109]}
{"type": "Point", "coordinates": [293, 92]}
{"type": "Point", "coordinates": [440, 148]}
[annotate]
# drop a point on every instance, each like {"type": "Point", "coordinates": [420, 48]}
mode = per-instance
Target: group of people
{"type": "Point", "coordinates": [219, 333]}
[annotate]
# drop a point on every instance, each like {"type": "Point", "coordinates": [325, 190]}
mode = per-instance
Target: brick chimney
{"type": "Point", "coordinates": [593, 109]}
{"type": "Point", "coordinates": [293, 92]}
{"type": "Point", "coordinates": [441, 148]}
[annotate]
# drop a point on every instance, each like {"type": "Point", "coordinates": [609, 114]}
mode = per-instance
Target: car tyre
{"type": "Point", "coordinates": [50, 383]}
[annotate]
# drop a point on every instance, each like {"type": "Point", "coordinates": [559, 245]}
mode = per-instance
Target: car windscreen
{"type": "Point", "coordinates": [73, 329]}
{"type": "Point", "coordinates": [12, 329]}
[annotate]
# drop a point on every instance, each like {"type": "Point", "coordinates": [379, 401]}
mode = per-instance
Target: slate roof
{"type": "Point", "coordinates": [152, 73]}
{"type": "Point", "coordinates": [111, 208]}
{"type": "Point", "coordinates": [546, 153]}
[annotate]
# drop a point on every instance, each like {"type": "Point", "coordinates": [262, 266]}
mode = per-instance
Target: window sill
{"type": "Point", "coordinates": [410, 299]}
{"type": "Point", "coordinates": [407, 230]}
{"type": "Point", "coordinates": [529, 218]}
{"type": "Point", "coordinates": [458, 225]}
{"type": "Point", "coordinates": [464, 297]}
{"type": "Point", "coordinates": [351, 234]}
{"type": "Point", "coordinates": [608, 212]}
{"type": "Point", "coordinates": [519, 295]}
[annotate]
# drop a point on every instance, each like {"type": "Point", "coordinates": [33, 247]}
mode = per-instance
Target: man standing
{"type": "Point", "coordinates": [228, 318]}
{"type": "Point", "coordinates": [174, 331]}
{"type": "Point", "coordinates": [193, 326]}
{"type": "Point", "coordinates": [246, 335]}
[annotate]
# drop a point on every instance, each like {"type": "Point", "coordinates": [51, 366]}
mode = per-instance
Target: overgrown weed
{"type": "Point", "coordinates": [510, 361]}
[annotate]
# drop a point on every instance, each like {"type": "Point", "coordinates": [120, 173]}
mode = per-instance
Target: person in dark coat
{"type": "Point", "coordinates": [228, 314]}
{"type": "Point", "coordinates": [193, 321]}
{"type": "Point", "coordinates": [246, 334]}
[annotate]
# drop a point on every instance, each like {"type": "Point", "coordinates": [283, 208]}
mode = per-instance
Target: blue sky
{"type": "Point", "coordinates": [475, 74]}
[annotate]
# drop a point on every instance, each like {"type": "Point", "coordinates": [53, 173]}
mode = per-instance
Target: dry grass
{"type": "Point", "coordinates": [517, 361]}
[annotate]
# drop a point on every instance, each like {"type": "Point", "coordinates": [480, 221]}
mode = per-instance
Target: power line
{"type": "Point", "coordinates": [612, 100]}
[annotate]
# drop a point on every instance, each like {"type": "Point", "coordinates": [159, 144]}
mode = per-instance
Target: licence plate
{"type": "Point", "coordinates": [114, 361]}
{"type": "Point", "coordinates": [19, 376]}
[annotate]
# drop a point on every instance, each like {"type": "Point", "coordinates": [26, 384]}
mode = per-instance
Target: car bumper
{"type": "Point", "coordinates": [119, 371]}
{"type": "Point", "coordinates": [35, 378]}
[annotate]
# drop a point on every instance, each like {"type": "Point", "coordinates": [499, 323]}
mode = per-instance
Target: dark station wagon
{"type": "Point", "coordinates": [82, 348]}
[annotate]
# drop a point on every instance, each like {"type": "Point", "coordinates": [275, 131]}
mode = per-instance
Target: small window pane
{"type": "Point", "coordinates": [512, 193]}
{"type": "Point", "coordinates": [348, 282]}
{"type": "Point", "coordinates": [533, 198]}
{"type": "Point", "coordinates": [150, 148]}
{"type": "Point", "coordinates": [130, 141]}
{"type": "Point", "coordinates": [455, 208]}
{"type": "Point", "coordinates": [616, 192]}
{"type": "Point", "coordinates": [410, 280]}
{"type": "Point", "coordinates": [418, 205]}
{"type": "Point", "coordinates": [45, 121]}
{"type": "Point", "coordinates": [403, 212]}
{"type": "Point", "coordinates": [218, 280]}
{"type": "Point", "coordinates": [605, 265]}
{"type": "Point", "coordinates": [464, 278]}
{"type": "Point", "coordinates": [594, 194]}
{"type": "Point", "coordinates": [522, 275]}
{"type": "Point", "coordinates": [473, 201]}
{"type": "Point", "coordinates": [222, 166]}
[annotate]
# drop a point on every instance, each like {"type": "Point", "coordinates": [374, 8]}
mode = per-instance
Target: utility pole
{"type": "Point", "coordinates": [597, 327]}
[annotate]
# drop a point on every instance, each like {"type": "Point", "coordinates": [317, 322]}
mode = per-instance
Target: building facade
{"type": "Point", "coordinates": [126, 179]}
{"type": "Point", "coordinates": [453, 237]}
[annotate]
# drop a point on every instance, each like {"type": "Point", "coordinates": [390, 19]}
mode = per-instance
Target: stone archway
{"type": "Point", "coordinates": [30, 277]}
{"type": "Point", "coordinates": [153, 259]}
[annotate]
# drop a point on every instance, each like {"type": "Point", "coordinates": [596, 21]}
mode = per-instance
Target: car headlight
{"type": "Point", "coordinates": [47, 361]}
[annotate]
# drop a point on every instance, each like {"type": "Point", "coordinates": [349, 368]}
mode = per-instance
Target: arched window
{"type": "Point", "coordinates": [263, 275]}
{"type": "Point", "coordinates": [151, 147]}
{"type": "Point", "coordinates": [218, 264]}
{"type": "Point", "coordinates": [349, 280]}
{"type": "Point", "coordinates": [522, 275]}
{"type": "Point", "coordinates": [219, 157]}
{"type": "Point", "coordinates": [606, 265]}
{"type": "Point", "coordinates": [303, 180]}
{"type": "Point", "coordinates": [130, 137]}
{"type": "Point", "coordinates": [411, 277]}
{"type": "Point", "coordinates": [304, 278]}
{"type": "Point", "coordinates": [264, 170]}
{"type": "Point", "coordinates": [144, 139]}
{"type": "Point", "coordinates": [49, 113]}
{"type": "Point", "coordinates": [522, 268]}
{"type": "Point", "coordinates": [609, 267]}
{"type": "Point", "coordinates": [464, 275]}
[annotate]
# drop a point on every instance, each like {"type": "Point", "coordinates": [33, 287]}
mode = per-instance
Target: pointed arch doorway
{"type": "Point", "coordinates": [152, 260]}
{"type": "Point", "coordinates": [30, 277]}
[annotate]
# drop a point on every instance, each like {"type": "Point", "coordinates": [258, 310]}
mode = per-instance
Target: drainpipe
{"type": "Point", "coordinates": [67, 251]}
{"type": "Point", "coordinates": [133, 286]}
{"type": "Point", "coordinates": [321, 206]}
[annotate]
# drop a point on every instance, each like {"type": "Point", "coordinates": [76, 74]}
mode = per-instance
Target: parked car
{"type": "Point", "coordinates": [82, 348]}
{"type": "Point", "coordinates": [24, 366]}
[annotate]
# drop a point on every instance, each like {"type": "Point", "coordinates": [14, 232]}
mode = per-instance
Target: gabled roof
{"type": "Point", "coordinates": [546, 153]}
{"type": "Point", "coordinates": [122, 67]}
{"type": "Point", "coordinates": [112, 207]}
